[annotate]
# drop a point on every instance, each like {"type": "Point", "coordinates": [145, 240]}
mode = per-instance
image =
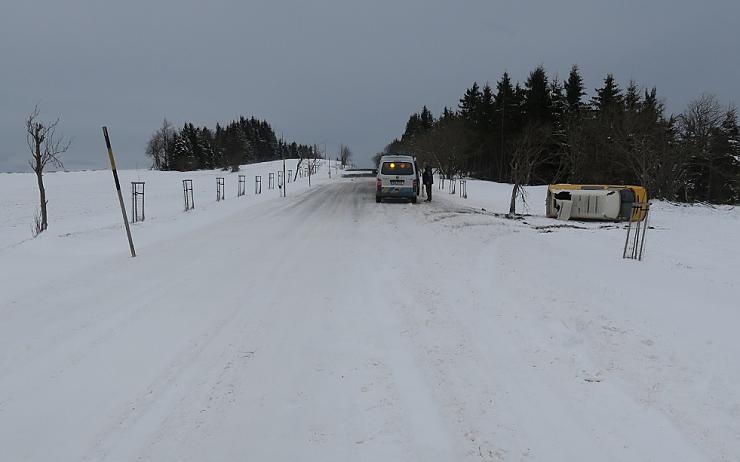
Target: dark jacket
{"type": "Point", "coordinates": [427, 177]}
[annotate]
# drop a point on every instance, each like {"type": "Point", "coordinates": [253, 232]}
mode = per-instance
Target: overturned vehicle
{"type": "Point", "coordinates": [596, 202]}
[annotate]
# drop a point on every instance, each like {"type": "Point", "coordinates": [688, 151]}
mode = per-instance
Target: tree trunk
{"type": "Point", "coordinates": [297, 167]}
{"type": "Point", "coordinates": [42, 200]}
{"type": "Point", "coordinates": [512, 205]}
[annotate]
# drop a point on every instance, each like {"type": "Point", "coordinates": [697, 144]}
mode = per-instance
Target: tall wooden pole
{"type": "Point", "coordinates": [118, 189]}
{"type": "Point", "coordinates": [326, 156]}
{"type": "Point", "coordinates": [309, 165]}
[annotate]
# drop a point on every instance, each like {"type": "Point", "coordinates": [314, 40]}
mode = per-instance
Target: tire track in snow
{"type": "Point", "coordinates": [163, 392]}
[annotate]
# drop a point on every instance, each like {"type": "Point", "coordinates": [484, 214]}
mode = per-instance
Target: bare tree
{"type": "Point", "coordinates": [669, 175]}
{"type": "Point", "coordinates": [644, 147]}
{"type": "Point", "coordinates": [309, 156]}
{"type": "Point", "coordinates": [529, 151]}
{"type": "Point", "coordinates": [700, 118]}
{"type": "Point", "coordinates": [45, 147]}
{"type": "Point", "coordinates": [698, 126]}
{"type": "Point", "coordinates": [376, 159]}
{"type": "Point", "coordinates": [313, 157]}
{"type": "Point", "coordinates": [160, 145]}
{"type": "Point", "coordinates": [445, 146]}
{"type": "Point", "coordinates": [344, 154]}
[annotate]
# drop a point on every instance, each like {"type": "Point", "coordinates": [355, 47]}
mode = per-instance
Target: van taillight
{"type": "Point", "coordinates": [416, 183]}
{"type": "Point", "coordinates": [379, 183]}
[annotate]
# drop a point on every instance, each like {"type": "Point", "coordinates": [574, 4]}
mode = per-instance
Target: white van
{"type": "Point", "coordinates": [596, 202]}
{"type": "Point", "coordinates": [398, 177]}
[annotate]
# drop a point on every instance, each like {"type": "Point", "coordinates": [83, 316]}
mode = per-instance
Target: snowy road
{"type": "Point", "coordinates": [327, 327]}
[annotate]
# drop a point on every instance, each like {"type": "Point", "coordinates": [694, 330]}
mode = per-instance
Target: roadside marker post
{"type": "Point", "coordinates": [118, 190]}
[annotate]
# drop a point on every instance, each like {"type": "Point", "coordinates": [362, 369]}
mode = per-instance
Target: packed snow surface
{"type": "Point", "coordinates": [325, 327]}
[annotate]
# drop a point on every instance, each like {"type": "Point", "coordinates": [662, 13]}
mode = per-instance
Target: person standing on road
{"type": "Point", "coordinates": [428, 180]}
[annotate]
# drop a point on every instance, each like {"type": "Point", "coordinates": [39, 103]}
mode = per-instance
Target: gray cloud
{"type": "Point", "coordinates": [328, 71]}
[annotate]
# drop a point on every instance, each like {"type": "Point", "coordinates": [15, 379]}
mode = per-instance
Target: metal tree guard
{"type": "Point", "coordinates": [463, 188]}
{"type": "Point", "coordinates": [220, 189]}
{"type": "Point", "coordinates": [634, 244]}
{"type": "Point", "coordinates": [187, 192]}
{"type": "Point", "coordinates": [242, 186]}
{"type": "Point", "coordinates": [137, 201]}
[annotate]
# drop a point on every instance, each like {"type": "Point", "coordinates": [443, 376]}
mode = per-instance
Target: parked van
{"type": "Point", "coordinates": [398, 177]}
{"type": "Point", "coordinates": [596, 202]}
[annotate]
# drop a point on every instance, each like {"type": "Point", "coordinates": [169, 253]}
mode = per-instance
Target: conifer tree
{"type": "Point", "coordinates": [559, 104]}
{"type": "Point", "coordinates": [506, 98]}
{"type": "Point", "coordinates": [426, 119]}
{"type": "Point", "coordinates": [632, 101]}
{"type": "Point", "coordinates": [650, 102]}
{"type": "Point", "coordinates": [506, 124]}
{"type": "Point", "coordinates": [488, 108]}
{"type": "Point", "coordinates": [192, 149]}
{"type": "Point", "coordinates": [574, 90]}
{"type": "Point", "coordinates": [609, 96]}
{"type": "Point", "coordinates": [538, 100]}
{"type": "Point", "coordinates": [205, 143]}
{"type": "Point", "coordinates": [413, 126]}
{"type": "Point", "coordinates": [180, 153]}
{"type": "Point", "coordinates": [470, 106]}
{"type": "Point", "coordinates": [725, 170]}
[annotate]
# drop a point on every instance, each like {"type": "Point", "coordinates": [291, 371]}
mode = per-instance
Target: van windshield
{"type": "Point", "coordinates": [397, 168]}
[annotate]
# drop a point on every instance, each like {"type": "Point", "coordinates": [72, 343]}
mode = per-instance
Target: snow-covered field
{"type": "Point", "coordinates": [81, 202]}
{"type": "Point", "coordinates": [323, 326]}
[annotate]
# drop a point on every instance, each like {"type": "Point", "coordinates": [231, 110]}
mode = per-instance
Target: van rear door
{"type": "Point", "coordinates": [397, 174]}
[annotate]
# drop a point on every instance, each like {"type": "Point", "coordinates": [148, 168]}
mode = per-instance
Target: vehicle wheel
{"type": "Point", "coordinates": [378, 199]}
{"type": "Point", "coordinates": [413, 200]}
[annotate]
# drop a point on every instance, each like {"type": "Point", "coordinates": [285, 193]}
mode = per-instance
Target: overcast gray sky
{"type": "Point", "coordinates": [328, 71]}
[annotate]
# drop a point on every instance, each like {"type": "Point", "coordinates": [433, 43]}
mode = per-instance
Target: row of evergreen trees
{"type": "Point", "coordinates": [618, 136]}
{"type": "Point", "coordinates": [242, 141]}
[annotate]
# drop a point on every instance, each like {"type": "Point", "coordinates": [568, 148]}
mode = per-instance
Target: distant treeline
{"type": "Point", "coordinates": [242, 141]}
{"type": "Point", "coordinates": [545, 132]}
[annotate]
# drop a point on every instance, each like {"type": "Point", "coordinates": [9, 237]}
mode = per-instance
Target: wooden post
{"type": "Point", "coordinates": [118, 189]}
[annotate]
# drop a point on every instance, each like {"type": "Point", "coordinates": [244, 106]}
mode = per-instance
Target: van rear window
{"type": "Point", "coordinates": [397, 168]}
